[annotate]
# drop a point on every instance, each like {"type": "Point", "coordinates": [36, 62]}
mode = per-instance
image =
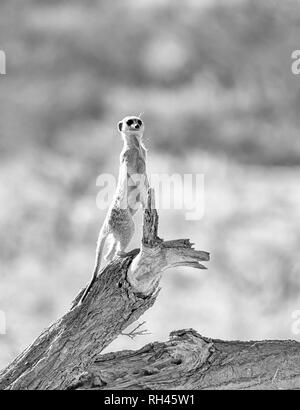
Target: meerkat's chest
{"type": "Point", "coordinates": [135, 160]}
{"type": "Point", "coordinates": [141, 164]}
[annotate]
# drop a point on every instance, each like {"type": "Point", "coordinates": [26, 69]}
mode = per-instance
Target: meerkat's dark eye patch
{"type": "Point", "coordinates": [140, 122]}
{"type": "Point", "coordinates": [129, 123]}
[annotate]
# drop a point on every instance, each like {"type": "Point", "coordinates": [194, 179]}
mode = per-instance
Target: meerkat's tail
{"type": "Point", "coordinates": [99, 252]}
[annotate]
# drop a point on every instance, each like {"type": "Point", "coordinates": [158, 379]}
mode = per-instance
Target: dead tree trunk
{"type": "Point", "coordinates": [124, 290]}
{"type": "Point", "coordinates": [190, 361]}
{"type": "Point", "coordinates": [68, 354]}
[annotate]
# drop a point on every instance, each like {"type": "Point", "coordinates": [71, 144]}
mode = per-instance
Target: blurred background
{"type": "Point", "coordinates": [214, 81]}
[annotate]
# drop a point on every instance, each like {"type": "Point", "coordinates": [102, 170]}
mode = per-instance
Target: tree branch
{"type": "Point", "coordinates": [156, 256]}
{"type": "Point", "coordinates": [68, 354]}
{"type": "Point", "coordinates": [190, 361]}
{"type": "Point", "coordinates": [123, 291]}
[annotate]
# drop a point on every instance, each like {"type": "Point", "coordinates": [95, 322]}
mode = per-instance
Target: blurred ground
{"type": "Point", "coordinates": [219, 98]}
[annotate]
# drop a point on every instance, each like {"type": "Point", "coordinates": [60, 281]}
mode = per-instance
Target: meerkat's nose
{"type": "Point", "coordinates": [136, 126]}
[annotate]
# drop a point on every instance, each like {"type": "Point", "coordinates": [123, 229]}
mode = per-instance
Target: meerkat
{"type": "Point", "coordinates": [131, 192]}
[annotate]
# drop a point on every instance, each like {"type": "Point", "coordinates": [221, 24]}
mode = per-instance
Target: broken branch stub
{"type": "Point", "coordinates": [156, 255]}
{"type": "Point", "coordinates": [150, 225]}
{"type": "Point", "coordinates": [125, 289]}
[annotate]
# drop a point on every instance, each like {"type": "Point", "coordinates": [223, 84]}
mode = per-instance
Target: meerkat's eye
{"type": "Point", "coordinates": [140, 122]}
{"type": "Point", "coordinates": [129, 123]}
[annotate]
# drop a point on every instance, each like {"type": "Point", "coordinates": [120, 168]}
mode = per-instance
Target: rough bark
{"type": "Point", "coordinates": [122, 292]}
{"type": "Point", "coordinates": [60, 355]}
{"type": "Point", "coordinates": [68, 354]}
{"type": "Point", "coordinates": [190, 361]}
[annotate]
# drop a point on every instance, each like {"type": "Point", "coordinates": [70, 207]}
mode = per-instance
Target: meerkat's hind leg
{"type": "Point", "coordinates": [100, 245]}
{"type": "Point", "coordinates": [112, 249]}
{"type": "Point", "coordinates": [124, 242]}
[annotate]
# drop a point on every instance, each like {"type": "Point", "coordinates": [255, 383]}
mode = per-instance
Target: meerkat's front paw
{"type": "Point", "coordinates": [121, 254]}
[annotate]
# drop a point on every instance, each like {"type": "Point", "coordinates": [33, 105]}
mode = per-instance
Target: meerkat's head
{"type": "Point", "coordinates": [131, 125]}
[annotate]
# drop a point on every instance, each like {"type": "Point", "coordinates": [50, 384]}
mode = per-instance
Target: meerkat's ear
{"type": "Point", "coordinates": [120, 125]}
